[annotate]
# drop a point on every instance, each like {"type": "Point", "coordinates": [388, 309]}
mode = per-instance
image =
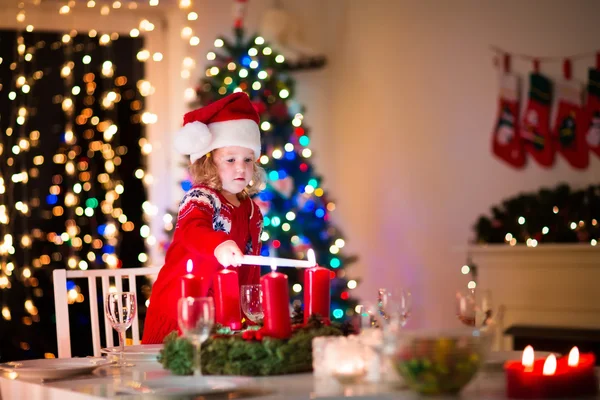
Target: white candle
{"type": "Point", "coordinates": [280, 262]}
{"type": "Point", "coordinates": [310, 254]}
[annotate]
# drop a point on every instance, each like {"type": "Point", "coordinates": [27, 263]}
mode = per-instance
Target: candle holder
{"type": "Point", "coordinates": [344, 359]}
{"type": "Point", "coordinates": [319, 361]}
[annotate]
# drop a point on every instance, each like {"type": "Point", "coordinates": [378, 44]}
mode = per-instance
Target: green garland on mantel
{"type": "Point", "coordinates": [558, 215]}
{"type": "Point", "coordinates": [248, 355]}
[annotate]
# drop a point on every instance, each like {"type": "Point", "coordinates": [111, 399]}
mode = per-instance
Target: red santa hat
{"type": "Point", "coordinates": [230, 121]}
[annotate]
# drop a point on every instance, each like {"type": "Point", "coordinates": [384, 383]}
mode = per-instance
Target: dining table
{"type": "Point", "coordinates": [148, 380]}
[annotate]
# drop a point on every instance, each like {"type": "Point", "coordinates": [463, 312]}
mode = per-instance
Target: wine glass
{"type": "Point", "coordinates": [474, 307]}
{"type": "Point", "coordinates": [120, 310]}
{"type": "Point", "coordinates": [381, 322]}
{"type": "Point", "coordinates": [394, 307]}
{"type": "Point", "coordinates": [251, 298]}
{"type": "Point", "coordinates": [196, 316]}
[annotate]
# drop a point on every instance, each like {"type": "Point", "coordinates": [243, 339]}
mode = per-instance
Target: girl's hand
{"type": "Point", "coordinates": [228, 253]}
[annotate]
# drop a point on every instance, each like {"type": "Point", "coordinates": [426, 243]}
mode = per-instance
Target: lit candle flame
{"type": "Point", "coordinates": [550, 365]}
{"type": "Point", "coordinates": [528, 357]}
{"type": "Point", "coordinates": [574, 357]}
{"type": "Point", "coordinates": [190, 266]}
{"type": "Point", "coordinates": [310, 254]}
{"type": "Point", "coordinates": [273, 266]}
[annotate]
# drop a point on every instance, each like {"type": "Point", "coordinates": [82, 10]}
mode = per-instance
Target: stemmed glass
{"type": "Point", "coordinates": [120, 310]}
{"type": "Point", "coordinates": [251, 299]}
{"type": "Point", "coordinates": [383, 320]}
{"type": "Point", "coordinates": [474, 307]}
{"type": "Point", "coordinates": [394, 307]}
{"type": "Point", "coordinates": [196, 316]}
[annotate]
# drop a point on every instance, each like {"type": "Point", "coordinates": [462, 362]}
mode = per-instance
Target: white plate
{"type": "Point", "coordinates": [498, 358]}
{"type": "Point", "coordinates": [140, 352]}
{"type": "Point", "coordinates": [53, 368]}
{"type": "Point", "coordinates": [187, 385]}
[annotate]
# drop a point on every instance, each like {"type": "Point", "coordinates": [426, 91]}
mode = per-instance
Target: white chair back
{"type": "Point", "coordinates": [61, 304]}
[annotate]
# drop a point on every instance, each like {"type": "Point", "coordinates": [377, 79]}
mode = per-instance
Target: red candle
{"type": "Point", "coordinates": [317, 293]}
{"type": "Point", "coordinates": [276, 305]}
{"type": "Point", "coordinates": [227, 299]}
{"type": "Point", "coordinates": [551, 378]}
{"type": "Point", "coordinates": [191, 285]}
{"type": "Point", "coordinates": [581, 370]}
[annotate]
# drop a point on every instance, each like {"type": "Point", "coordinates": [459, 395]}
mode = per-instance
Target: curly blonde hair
{"type": "Point", "coordinates": [204, 171]}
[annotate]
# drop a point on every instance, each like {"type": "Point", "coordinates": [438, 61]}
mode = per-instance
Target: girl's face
{"type": "Point", "coordinates": [236, 167]}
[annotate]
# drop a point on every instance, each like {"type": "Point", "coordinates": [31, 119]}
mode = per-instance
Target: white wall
{"type": "Point", "coordinates": [409, 151]}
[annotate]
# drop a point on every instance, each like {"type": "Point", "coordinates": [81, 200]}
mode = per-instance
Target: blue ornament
{"type": "Point", "coordinates": [186, 185]}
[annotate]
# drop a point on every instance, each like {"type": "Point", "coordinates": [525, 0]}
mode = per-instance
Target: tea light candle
{"type": "Point", "coordinates": [569, 377]}
{"type": "Point", "coordinates": [345, 359]}
{"type": "Point", "coordinates": [349, 372]}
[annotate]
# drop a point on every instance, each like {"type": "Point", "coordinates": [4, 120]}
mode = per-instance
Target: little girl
{"type": "Point", "coordinates": [217, 221]}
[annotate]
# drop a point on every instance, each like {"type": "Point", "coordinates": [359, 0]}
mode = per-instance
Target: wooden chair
{"type": "Point", "coordinates": [63, 332]}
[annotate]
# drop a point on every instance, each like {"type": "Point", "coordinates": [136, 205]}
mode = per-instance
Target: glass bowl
{"type": "Point", "coordinates": [440, 362]}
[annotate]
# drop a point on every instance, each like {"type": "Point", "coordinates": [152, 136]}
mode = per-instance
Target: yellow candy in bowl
{"type": "Point", "coordinates": [439, 362]}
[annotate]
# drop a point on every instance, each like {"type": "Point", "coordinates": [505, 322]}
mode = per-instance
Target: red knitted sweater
{"type": "Point", "coordinates": [205, 220]}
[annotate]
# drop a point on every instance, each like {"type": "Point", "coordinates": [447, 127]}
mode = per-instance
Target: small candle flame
{"type": "Point", "coordinates": [528, 357]}
{"type": "Point", "coordinates": [550, 365]}
{"type": "Point", "coordinates": [310, 254]}
{"type": "Point", "coordinates": [574, 357]}
{"type": "Point", "coordinates": [190, 266]}
{"type": "Point", "coordinates": [273, 266]}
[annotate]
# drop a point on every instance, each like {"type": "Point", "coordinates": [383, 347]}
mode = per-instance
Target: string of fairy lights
{"type": "Point", "coordinates": [71, 194]}
{"type": "Point", "coordinates": [15, 175]}
{"type": "Point", "coordinates": [469, 268]}
{"type": "Point", "coordinates": [29, 201]}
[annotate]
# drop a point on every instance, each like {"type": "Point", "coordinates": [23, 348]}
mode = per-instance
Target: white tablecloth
{"type": "Point", "coordinates": [107, 382]}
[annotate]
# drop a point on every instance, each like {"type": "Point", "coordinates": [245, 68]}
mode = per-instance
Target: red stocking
{"type": "Point", "coordinates": [592, 111]}
{"type": "Point", "coordinates": [535, 127]}
{"type": "Point", "coordinates": [568, 129]}
{"type": "Point", "coordinates": [506, 141]}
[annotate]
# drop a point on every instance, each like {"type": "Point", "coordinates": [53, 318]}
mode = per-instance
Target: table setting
{"type": "Point", "coordinates": [246, 342]}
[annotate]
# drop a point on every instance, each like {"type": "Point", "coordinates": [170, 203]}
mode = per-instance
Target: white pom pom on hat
{"type": "Point", "coordinates": [230, 121]}
{"type": "Point", "coordinates": [192, 138]}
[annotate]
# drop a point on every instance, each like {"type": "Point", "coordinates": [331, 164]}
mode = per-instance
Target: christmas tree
{"type": "Point", "coordinates": [295, 207]}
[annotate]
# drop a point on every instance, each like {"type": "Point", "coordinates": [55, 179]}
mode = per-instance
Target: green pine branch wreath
{"type": "Point", "coordinates": [249, 355]}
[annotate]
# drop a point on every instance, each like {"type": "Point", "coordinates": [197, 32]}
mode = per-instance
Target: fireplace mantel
{"type": "Point", "coordinates": [554, 285]}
